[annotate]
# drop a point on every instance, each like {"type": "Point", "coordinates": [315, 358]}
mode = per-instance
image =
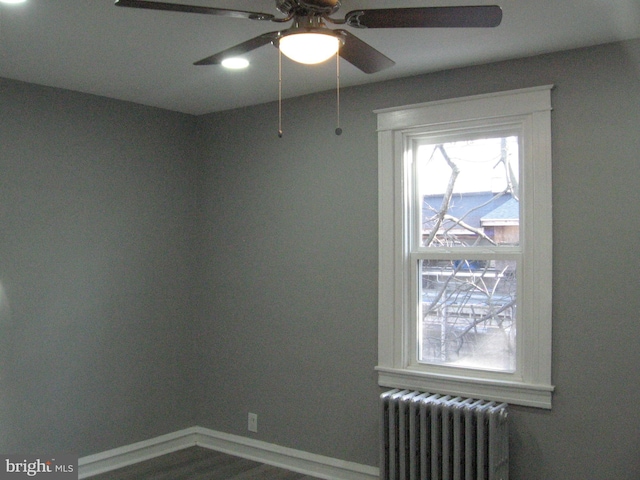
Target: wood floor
{"type": "Point", "coordinates": [200, 464]}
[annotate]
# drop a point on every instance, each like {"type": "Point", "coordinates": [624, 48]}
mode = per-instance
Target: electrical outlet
{"type": "Point", "coordinates": [253, 422]}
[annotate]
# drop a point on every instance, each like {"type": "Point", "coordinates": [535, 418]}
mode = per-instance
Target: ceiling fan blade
{"type": "Point", "coordinates": [427, 17]}
{"type": "Point", "coordinates": [240, 49]}
{"type": "Point", "coordinates": [176, 7]}
{"type": "Point", "coordinates": [362, 55]}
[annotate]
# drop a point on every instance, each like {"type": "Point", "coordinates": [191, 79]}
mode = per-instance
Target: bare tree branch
{"type": "Point", "coordinates": [512, 179]}
{"type": "Point", "coordinates": [477, 207]}
{"type": "Point", "coordinates": [446, 200]}
{"type": "Point", "coordinates": [466, 226]}
{"type": "Point", "coordinates": [486, 317]}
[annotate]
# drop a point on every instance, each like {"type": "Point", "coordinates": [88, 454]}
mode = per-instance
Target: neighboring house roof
{"type": "Point", "coordinates": [471, 208]}
{"type": "Point", "coordinates": [506, 214]}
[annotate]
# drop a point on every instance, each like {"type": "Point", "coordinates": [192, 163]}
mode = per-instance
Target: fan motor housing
{"type": "Point", "coordinates": [323, 7]}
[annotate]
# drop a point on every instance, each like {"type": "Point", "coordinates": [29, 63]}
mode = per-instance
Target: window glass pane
{"type": "Point", "coordinates": [469, 192]}
{"type": "Point", "coordinates": [467, 316]}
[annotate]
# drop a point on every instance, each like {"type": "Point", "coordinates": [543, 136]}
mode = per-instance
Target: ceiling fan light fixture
{"type": "Point", "coordinates": [309, 47]}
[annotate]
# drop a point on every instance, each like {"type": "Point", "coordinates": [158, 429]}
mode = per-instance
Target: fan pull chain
{"type": "Point", "coordinates": [279, 93]}
{"type": "Point", "coordinates": [338, 128]}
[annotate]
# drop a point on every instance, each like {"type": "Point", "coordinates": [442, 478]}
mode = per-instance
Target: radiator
{"type": "Point", "coordinates": [437, 437]}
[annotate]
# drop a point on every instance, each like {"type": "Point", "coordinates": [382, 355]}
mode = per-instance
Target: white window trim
{"type": "Point", "coordinates": [531, 384]}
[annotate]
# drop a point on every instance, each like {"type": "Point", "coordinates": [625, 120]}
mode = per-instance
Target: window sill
{"type": "Point", "coordinates": [515, 393]}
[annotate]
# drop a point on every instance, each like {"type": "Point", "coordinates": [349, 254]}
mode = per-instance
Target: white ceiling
{"type": "Point", "coordinates": [146, 56]}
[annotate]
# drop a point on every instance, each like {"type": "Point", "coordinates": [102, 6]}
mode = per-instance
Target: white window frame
{"type": "Point", "coordinates": [529, 111]}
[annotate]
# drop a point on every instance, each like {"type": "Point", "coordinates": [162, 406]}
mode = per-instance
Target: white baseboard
{"type": "Point", "coordinates": [296, 460]}
{"type": "Point", "coordinates": [135, 453]}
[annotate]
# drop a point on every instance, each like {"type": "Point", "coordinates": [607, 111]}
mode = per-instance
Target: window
{"type": "Point", "coordinates": [465, 247]}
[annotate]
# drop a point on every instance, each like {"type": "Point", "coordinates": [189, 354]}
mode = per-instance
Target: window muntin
{"type": "Point", "coordinates": [519, 308]}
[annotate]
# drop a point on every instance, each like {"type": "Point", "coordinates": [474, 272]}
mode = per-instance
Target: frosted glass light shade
{"type": "Point", "coordinates": [309, 48]}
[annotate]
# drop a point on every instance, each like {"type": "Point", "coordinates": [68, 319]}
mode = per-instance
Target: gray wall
{"type": "Point", "coordinates": [291, 262]}
{"type": "Point", "coordinates": [148, 285]}
{"type": "Point", "coordinates": [96, 222]}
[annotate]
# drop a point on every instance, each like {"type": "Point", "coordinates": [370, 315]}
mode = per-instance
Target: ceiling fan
{"type": "Point", "coordinates": [310, 19]}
